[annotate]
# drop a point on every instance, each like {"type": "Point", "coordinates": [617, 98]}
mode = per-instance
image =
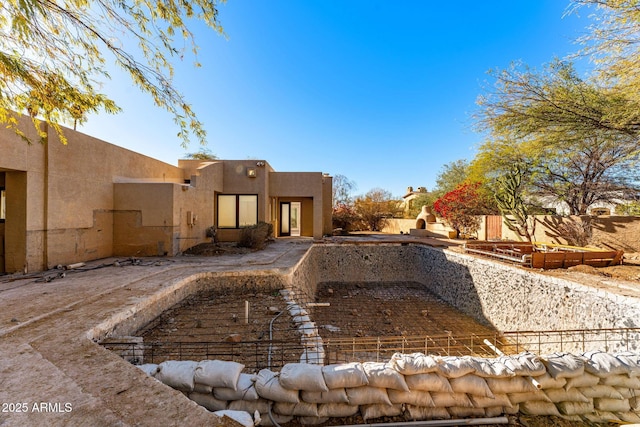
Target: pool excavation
{"type": "Point", "coordinates": [390, 332]}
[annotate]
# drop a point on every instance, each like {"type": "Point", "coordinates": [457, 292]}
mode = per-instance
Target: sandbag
{"type": "Point", "coordinates": [302, 376]}
{"type": "Point", "coordinates": [612, 405]}
{"type": "Point", "coordinates": [308, 329]}
{"type": "Point", "coordinates": [208, 401]}
{"type": "Point", "coordinates": [335, 395]}
{"type": "Point", "coordinates": [539, 408]}
{"type": "Point", "coordinates": [494, 411]}
{"type": "Point", "coordinates": [344, 375]}
{"type": "Point", "coordinates": [428, 382]}
{"type": "Point", "coordinates": [501, 400]}
{"type": "Point", "coordinates": [627, 393]}
{"type": "Point", "coordinates": [383, 375]}
{"type": "Point", "coordinates": [202, 388]}
{"type": "Point", "coordinates": [446, 400]}
{"type": "Point", "coordinates": [301, 319]}
{"type": "Point", "coordinates": [300, 409]}
{"type": "Point", "coordinates": [265, 419]}
{"type": "Point", "coordinates": [547, 381]}
{"type": "Point", "coordinates": [464, 412]}
{"type": "Point", "coordinates": [584, 380]}
{"type": "Point", "coordinates": [177, 374]}
{"type": "Point", "coordinates": [367, 395]}
{"type": "Point", "coordinates": [415, 363]}
{"type": "Point", "coordinates": [629, 417]}
{"type": "Point", "coordinates": [455, 367]}
{"type": "Point", "coordinates": [601, 391]}
{"type": "Point", "coordinates": [337, 410]}
{"type": "Point", "coordinates": [148, 368]}
{"type": "Point", "coordinates": [416, 398]}
{"type": "Point", "coordinates": [575, 408]}
{"type": "Point", "coordinates": [218, 373]}
{"type": "Point", "coordinates": [268, 387]}
{"type": "Point", "coordinates": [632, 361]}
{"type": "Point", "coordinates": [617, 381]}
{"type": "Point", "coordinates": [510, 385]}
{"type": "Point", "coordinates": [563, 365]}
{"type": "Point", "coordinates": [420, 413]}
{"type": "Point", "coordinates": [250, 406]}
{"type": "Point", "coordinates": [563, 395]}
{"type": "Point", "coordinates": [245, 389]}
{"type": "Point", "coordinates": [524, 364]}
{"type": "Point", "coordinates": [295, 310]}
{"type": "Point", "coordinates": [380, 410]}
{"type": "Point", "coordinates": [604, 364]}
{"type": "Point", "coordinates": [493, 368]}
{"type": "Point", "coordinates": [471, 384]}
{"type": "Point", "coordinates": [243, 418]}
{"type": "Point", "coordinates": [533, 396]}
{"type": "Point", "coordinates": [601, 417]}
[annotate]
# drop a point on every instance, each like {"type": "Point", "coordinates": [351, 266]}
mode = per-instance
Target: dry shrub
{"type": "Point", "coordinates": [255, 236]}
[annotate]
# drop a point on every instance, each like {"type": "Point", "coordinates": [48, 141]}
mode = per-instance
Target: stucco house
{"type": "Point", "coordinates": [62, 204]}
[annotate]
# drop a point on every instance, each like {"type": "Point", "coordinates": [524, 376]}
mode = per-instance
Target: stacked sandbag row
{"type": "Point", "coordinates": [309, 337]}
{"type": "Point", "coordinates": [595, 386]}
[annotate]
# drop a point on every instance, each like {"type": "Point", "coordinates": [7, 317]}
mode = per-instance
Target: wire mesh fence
{"type": "Point", "coordinates": [256, 355]}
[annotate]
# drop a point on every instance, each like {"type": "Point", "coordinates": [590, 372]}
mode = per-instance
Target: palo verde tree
{"type": "Point", "coordinates": [568, 131]}
{"type": "Point", "coordinates": [613, 44]}
{"type": "Point", "coordinates": [54, 55]}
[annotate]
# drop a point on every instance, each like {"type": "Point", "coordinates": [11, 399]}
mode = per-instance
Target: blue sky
{"type": "Point", "coordinates": [381, 92]}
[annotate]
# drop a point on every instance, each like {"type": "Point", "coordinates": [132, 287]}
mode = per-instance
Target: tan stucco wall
{"type": "Point", "coordinates": [305, 184]}
{"type": "Point", "coordinates": [67, 190]}
{"type": "Point", "coordinates": [612, 232]}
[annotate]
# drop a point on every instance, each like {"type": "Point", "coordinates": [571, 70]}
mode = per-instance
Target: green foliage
{"type": "Point", "coordinates": [631, 209]}
{"type": "Point", "coordinates": [203, 154]}
{"type": "Point", "coordinates": [53, 57]}
{"type": "Point", "coordinates": [512, 207]}
{"type": "Point", "coordinates": [450, 176]}
{"type": "Point", "coordinates": [255, 236]}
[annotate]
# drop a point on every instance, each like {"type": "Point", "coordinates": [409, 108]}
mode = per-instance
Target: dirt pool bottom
{"type": "Point", "coordinates": [356, 321]}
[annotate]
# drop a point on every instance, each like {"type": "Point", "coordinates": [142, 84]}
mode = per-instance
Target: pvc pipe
{"type": "Point", "coordinates": [458, 422]}
{"type": "Point", "coordinates": [246, 312]}
{"type": "Point", "coordinates": [318, 304]}
{"type": "Point", "coordinates": [495, 349]}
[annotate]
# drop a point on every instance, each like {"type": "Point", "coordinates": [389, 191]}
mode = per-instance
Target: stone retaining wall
{"type": "Point", "coordinates": [509, 298]}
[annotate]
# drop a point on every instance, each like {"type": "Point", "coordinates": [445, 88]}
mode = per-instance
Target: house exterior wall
{"type": "Point", "coordinates": [312, 185]}
{"type": "Point", "coordinates": [90, 199]}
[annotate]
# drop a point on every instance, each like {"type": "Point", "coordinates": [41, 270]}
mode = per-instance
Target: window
{"type": "Point", "coordinates": [3, 205]}
{"type": "Point", "coordinates": [235, 210]}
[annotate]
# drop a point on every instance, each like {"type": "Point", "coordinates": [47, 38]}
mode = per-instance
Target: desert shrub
{"type": "Point", "coordinates": [212, 232]}
{"type": "Point", "coordinates": [255, 236]}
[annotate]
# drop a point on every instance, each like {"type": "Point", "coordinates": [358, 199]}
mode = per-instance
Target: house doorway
{"type": "Point", "coordinates": [290, 218]}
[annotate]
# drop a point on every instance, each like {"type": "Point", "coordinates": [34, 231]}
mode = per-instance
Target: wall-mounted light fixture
{"type": "Point", "coordinates": [251, 172]}
{"type": "Point", "coordinates": [260, 164]}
